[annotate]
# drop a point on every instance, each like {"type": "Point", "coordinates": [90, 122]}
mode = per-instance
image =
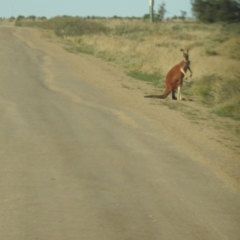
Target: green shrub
{"type": "Point", "coordinates": [230, 109]}
{"type": "Point", "coordinates": [222, 95]}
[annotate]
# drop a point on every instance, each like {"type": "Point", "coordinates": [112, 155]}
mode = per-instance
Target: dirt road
{"type": "Point", "coordinates": [85, 156]}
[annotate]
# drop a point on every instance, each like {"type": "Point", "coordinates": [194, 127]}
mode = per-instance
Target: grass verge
{"type": "Point", "coordinates": [146, 50]}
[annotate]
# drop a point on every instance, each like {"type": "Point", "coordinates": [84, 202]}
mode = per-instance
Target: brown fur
{"type": "Point", "coordinates": [174, 78]}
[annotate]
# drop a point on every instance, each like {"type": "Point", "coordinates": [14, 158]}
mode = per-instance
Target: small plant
{"type": "Point", "coordinates": [83, 48]}
{"type": "Point", "coordinates": [210, 52]}
{"type": "Point", "coordinates": [168, 44]}
{"type": "Point", "coordinates": [151, 78]}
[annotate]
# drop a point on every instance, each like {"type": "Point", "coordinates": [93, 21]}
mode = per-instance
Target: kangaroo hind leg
{"type": "Point", "coordinates": [179, 94]}
{"type": "Point", "coordinates": [173, 95]}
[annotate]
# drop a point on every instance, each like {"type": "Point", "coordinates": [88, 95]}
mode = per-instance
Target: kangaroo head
{"type": "Point", "coordinates": [185, 54]}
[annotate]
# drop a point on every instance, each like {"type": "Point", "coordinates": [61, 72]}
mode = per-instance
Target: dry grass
{"type": "Point", "coordinates": [6, 23]}
{"type": "Point", "coordinates": [155, 48]}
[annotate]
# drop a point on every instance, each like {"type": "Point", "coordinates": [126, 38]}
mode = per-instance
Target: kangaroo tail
{"type": "Point", "coordinates": [164, 95]}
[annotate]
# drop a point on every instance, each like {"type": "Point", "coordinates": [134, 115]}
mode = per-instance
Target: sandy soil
{"type": "Point", "coordinates": [204, 136]}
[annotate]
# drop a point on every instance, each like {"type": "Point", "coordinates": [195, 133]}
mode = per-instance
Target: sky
{"type": "Point", "coordinates": [83, 8]}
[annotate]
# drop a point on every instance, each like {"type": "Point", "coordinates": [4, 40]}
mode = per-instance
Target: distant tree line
{"type": "Point", "coordinates": [20, 18]}
{"type": "Point", "coordinates": [216, 10]}
{"type": "Point", "coordinates": [34, 18]}
{"type": "Point", "coordinates": [208, 11]}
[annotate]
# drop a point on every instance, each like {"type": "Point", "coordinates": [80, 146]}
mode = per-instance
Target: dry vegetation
{"type": "Point", "coordinates": [147, 51]}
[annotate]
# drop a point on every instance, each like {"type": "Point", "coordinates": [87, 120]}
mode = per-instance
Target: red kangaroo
{"type": "Point", "coordinates": [174, 78]}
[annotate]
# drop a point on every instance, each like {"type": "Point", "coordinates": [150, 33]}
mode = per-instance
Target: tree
{"type": "Point", "coordinates": [161, 11]}
{"type": "Point", "coordinates": [20, 18]}
{"type": "Point", "coordinates": [183, 15]}
{"type": "Point", "coordinates": [12, 19]}
{"type": "Point", "coordinates": [216, 10]}
{"type": "Point", "coordinates": [42, 18]}
{"type": "Point", "coordinates": [146, 16]}
{"type": "Point", "coordinates": [32, 17]}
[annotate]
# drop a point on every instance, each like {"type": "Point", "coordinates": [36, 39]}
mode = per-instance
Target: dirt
{"type": "Point", "coordinates": [209, 139]}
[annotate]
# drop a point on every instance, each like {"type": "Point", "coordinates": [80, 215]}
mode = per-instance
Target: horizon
{"type": "Point", "coordinates": [96, 8]}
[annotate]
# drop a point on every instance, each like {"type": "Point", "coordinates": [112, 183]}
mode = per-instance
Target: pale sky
{"type": "Point", "coordinates": [104, 8]}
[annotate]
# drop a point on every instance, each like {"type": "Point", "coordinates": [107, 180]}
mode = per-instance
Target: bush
{"type": "Point", "coordinates": [72, 26]}
{"type": "Point", "coordinates": [230, 109]}
{"type": "Point", "coordinates": [220, 94]}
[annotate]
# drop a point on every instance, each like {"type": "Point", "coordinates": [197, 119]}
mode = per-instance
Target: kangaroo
{"type": "Point", "coordinates": [174, 78]}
